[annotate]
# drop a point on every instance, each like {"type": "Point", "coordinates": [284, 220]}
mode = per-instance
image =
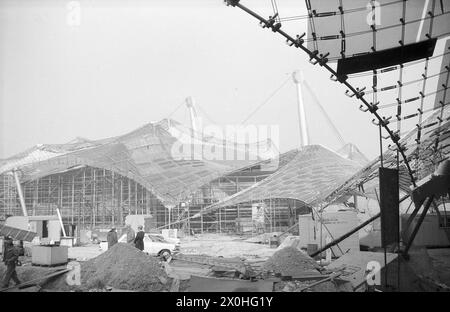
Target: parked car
{"type": "Point", "coordinates": [172, 240]}
{"type": "Point", "coordinates": [154, 244]}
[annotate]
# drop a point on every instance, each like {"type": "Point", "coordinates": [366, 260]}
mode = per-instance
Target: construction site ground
{"type": "Point", "coordinates": [205, 246]}
{"type": "Point", "coordinates": [203, 260]}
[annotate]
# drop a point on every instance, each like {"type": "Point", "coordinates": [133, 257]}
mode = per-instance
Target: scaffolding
{"type": "Point", "coordinates": [87, 197]}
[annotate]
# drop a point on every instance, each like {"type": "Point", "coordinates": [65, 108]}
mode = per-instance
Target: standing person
{"type": "Point", "coordinates": [112, 237]}
{"type": "Point", "coordinates": [139, 239]}
{"type": "Point", "coordinates": [10, 258]}
{"type": "Point", "coordinates": [130, 234]}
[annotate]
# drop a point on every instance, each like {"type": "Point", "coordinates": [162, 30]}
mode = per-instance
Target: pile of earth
{"type": "Point", "coordinates": [290, 261]}
{"type": "Point", "coordinates": [124, 267]}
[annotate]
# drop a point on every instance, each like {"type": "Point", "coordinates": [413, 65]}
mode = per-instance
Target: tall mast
{"type": "Point", "coordinates": [303, 126]}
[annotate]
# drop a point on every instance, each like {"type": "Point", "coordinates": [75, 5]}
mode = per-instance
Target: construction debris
{"type": "Point", "coordinates": [291, 262]}
{"type": "Point", "coordinates": [124, 267]}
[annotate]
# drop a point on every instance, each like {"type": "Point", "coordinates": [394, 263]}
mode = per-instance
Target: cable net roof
{"type": "Point", "coordinates": [434, 149]}
{"type": "Point", "coordinates": [310, 176]}
{"type": "Point", "coordinates": [145, 155]}
{"type": "Point", "coordinates": [400, 94]}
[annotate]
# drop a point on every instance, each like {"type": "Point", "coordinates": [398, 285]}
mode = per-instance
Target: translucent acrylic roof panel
{"type": "Point", "coordinates": [424, 158]}
{"type": "Point", "coordinates": [310, 176]}
{"type": "Point", "coordinates": [145, 155]}
{"type": "Point", "coordinates": [344, 27]}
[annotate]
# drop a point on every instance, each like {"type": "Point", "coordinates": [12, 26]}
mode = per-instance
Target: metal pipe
{"type": "Point", "coordinates": [340, 239]}
{"type": "Point", "coordinates": [19, 191]}
{"type": "Point", "coordinates": [61, 222]}
{"type": "Point", "coordinates": [417, 227]}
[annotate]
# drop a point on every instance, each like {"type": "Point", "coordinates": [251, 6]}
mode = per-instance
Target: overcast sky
{"type": "Point", "coordinates": [129, 64]}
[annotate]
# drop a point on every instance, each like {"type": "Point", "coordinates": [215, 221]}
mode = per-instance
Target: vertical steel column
{"type": "Point", "coordinates": [121, 202]}
{"type": "Point", "coordinates": [94, 199]}
{"type": "Point", "coordinates": [135, 198]}
{"type": "Point", "coordinates": [113, 200]}
{"type": "Point", "coordinates": [129, 196]}
{"type": "Point", "coordinates": [83, 200]}
{"type": "Point", "coordinates": [103, 198]}
{"type": "Point", "coordinates": [73, 198]}
{"type": "Point", "coordinates": [36, 197]}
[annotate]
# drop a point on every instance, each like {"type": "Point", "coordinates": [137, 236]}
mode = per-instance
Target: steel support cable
{"type": "Point", "coordinates": [175, 110]}
{"type": "Point", "coordinates": [332, 13]}
{"type": "Point", "coordinates": [312, 25]}
{"type": "Point", "coordinates": [323, 62]}
{"type": "Point", "coordinates": [400, 79]}
{"type": "Point", "coordinates": [275, 10]}
{"type": "Point", "coordinates": [330, 122]}
{"type": "Point", "coordinates": [392, 87]}
{"type": "Point", "coordinates": [266, 100]}
{"type": "Point", "coordinates": [411, 100]}
{"type": "Point", "coordinates": [436, 144]}
{"type": "Point", "coordinates": [343, 41]}
{"type": "Point", "coordinates": [365, 32]}
{"type": "Point", "coordinates": [206, 114]}
{"type": "Point", "coordinates": [375, 75]}
{"type": "Point", "coordinates": [424, 84]}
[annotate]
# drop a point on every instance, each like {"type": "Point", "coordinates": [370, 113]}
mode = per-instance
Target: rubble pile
{"type": "Point", "coordinates": [290, 261]}
{"type": "Point", "coordinates": [298, 286]}
{"type": "Point", "coordinates": [124, 267]}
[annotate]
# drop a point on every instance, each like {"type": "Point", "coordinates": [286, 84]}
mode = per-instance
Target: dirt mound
{"type": "Point", "coordinates": [290, 261]}
{"type": "Point", "coordinates": [124, 267]}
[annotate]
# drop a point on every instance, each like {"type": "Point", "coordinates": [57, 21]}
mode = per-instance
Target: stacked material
{"type": "Point", "coordinates": [124, 267]}
{"type": "Point", "coordinates": [290, 261]}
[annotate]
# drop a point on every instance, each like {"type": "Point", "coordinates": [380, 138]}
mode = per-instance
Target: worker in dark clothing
{"type": "Point", "coordinates": [10, 258]}
{"type": "Point", "coordinates": [111, 238]}
{"type": "Point", "coordinates": [130, 234]}
{"type": "Point", "coordinates": [139, 239]}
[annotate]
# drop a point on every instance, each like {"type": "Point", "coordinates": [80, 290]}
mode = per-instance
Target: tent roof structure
{"type": "Point", "coordinates": [310, 176]}
{"type": "Point", "coordinates": [424, 156]}
{"type": "Point", "coordinates": [145, 155]}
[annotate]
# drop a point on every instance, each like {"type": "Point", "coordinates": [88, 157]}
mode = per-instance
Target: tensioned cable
{"type": "Point", "coordinates": [422, 101]}
{"type": "Point", "coordinates": [175, 110]}
{"type": "Point", "coordinates": [392, 87]}
{"type": "Point", "coordinates": [364, 32]}
{"type": "Point", "coordinates": [332, 13]}
{"type": "Point", "coordinates": [266, 100]}
{"type": "Point", "coordinates": [411, 100]}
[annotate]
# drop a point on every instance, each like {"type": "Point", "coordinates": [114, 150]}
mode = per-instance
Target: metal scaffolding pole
{"type": "Point", "coordinates": [84, 197]}
{"type": "Point", "coordinates": [135, 198]}
{"type": "Point", "coordinates": [121, 202]}
{"type": "Point", "coordinates": [73, 198]}
{"type": "Point", "coordinates": [113, 200]}
{"type": "Point", "coordinates": [94, 200]}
